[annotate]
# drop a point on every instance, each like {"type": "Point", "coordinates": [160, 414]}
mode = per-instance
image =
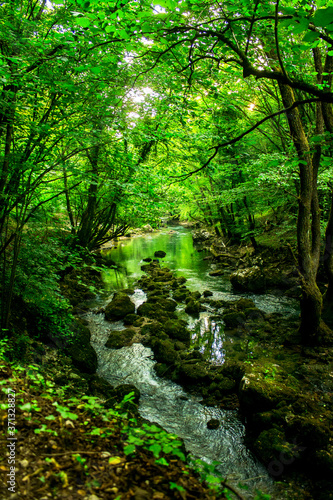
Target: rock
{"type": "Point", "coordinates": [207, 293]}
{"type": "Point", "coordinates": [213, 423]}
{"type": "Point", "coordinates": [164, 351]}
{"type": "Point", "coordinates": [249, 279]}
{"type": "Point", "coordinates": [80, 351]}
{"type": "Point", "coordinates": [179, 295]}
{"type": "Point", "coordinates": [200, 235]}
{"type": "Point", "coordinates": [234, 319]}
{"type": "Point", "coordinates": [245, 304]}
{"type": "Point", "coordinates": [147, 228]}
{"type": "Point", "coordinates": [176, 329]}
{"type": "Point", "coordinates": [119, 307]}
{"type": "Point", "coordinates": [193, 307]}
{"type": "Point", "coordinates": [264, 388]}
{"type": "Point", "coordinates": [119, 339]}
{"type": "Point", "coordinates": [216, 272]}
{"type": "Point", "coordinates": [148, 259]}
{"type": "Point", "coordinates": [160, 254]}
{"type": "Point", "coordinates": [269, 446]}
{"type": "Point", "coordinates": [133, 319]}
{"type": "Point", "coordinates": [193, 372]}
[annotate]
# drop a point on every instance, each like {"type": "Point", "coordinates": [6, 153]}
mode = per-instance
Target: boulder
{"type": "Point", "coordinates": [119, 307]}
{"type": "Point", "coordinates": [118, 339]}
{"type": "Point", "coordinates": [83, 355]}
{"type": "Point", "coordinates": [250, 279]}
{"type": "Point", "coordinates": [160, 254]}
{"type": "Point", "coordinates": [176, 329]}
{"type": "Point", "coordinates": [193, 307]}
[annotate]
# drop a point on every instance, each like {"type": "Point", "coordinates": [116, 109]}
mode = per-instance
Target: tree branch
{"type": "Point", "coordinates": [239, 137]}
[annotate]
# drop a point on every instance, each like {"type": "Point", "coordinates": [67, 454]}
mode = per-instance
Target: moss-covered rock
{"type": "Point", "coordinates": [195, 372]}
{"type": "Point", "coordinates": [180, 295]}
{"type": "Point", "coordinates": [264, 387]}
{"type": "Point", "coordinates": [193, 307]}
{"type": "Point", "coordinates": [249, 279]}
{"type": "Point", "coordinates": [160, 254]}
{"type": "Point", "coordinates": [234, 319]}
{"type": "Point", "coordinates": [164, 351]}
{"type": "Point", "coordinates": [133, 319]}
{"type": "Point", "coordinates": [176, 329]}
{"type": "Point", "coordinates": [269, 446]}
{"type": "Point", "coordinates": [119, 307]}
{"type": "Point", "coordinates": [118, 339]}
{"type": "Point", "coordinates": [80, 351]}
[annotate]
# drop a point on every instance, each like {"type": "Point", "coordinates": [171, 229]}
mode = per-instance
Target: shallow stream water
{"type": "Point", "coordinates": [163, 401]}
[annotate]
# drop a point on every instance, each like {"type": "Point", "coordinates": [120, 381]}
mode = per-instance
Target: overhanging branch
{"type": "Point", "coordinates": [239, 137]}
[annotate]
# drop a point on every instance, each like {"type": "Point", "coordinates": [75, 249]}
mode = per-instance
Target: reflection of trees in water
{"type": "Point", "coordinates": [208, 337]}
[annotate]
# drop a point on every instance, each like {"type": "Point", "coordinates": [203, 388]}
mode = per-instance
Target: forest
{"type": "Point", "coordinates": [122, 119]}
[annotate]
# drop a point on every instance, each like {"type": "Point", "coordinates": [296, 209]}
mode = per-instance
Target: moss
{"type": "Point", "coordinates": [119, 307]}
{"type": "Point", "coordinates": [234, 319]}
{"type": "Point", "coordinates": [176, 329]}
{"type": "Point", "coordinates": [271, 443]}
{"type": "Point", "coordinates": [118, 339]}
{"type": "Point", "coordinates": [193, 307]}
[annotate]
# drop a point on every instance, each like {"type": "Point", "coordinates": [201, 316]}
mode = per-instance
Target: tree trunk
{"type": "Point", "coordinates": [308, 227]}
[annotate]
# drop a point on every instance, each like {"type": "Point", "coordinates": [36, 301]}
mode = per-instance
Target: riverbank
{"type": "Point", "coordinates": [282, 392]}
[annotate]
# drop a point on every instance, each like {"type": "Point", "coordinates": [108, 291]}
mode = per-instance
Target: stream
{"type": "Point", "coordinates": [163, 401]}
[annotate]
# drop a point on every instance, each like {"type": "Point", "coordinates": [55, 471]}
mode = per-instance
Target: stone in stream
{"type": "Point", "coordinates": [207, 293]}
{"type": "Point", "coordinates": [118, 339]}
{"type": "Point", "coordinates": [119, 307]}
{"type": "Point", "coordinates": [83, 355]}
{"type": "Point", "coordinates": [213, 423]}
{"type": "Point", "coordinates": [193, 307]}
{"type": "Point", "coordinates": [160, 254]}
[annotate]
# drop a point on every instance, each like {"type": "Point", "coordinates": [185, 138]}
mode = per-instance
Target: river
{"type": "Point", "coordinates": [163, 401]}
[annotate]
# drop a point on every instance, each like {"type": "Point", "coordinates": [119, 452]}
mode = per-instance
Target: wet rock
{"type": "Point", "coordinates": [196, 295]}
{"type": "Point", "coordinates": [148, 259]}
{"type": "Point", "coordinates": [249, 279]}
{"type": "Point", "coordinates": [181, 280]}
{"type": "Point", "coordinates": [200, 235]}
{"type": "Point", "coordinates": [118, 339]}
{"type": "Point", "coordinates": [164, 351]}
{"type": "Point", "coordinates": [245, 304]}
{"type": "Point", "coordinates": [207, 293]}
{"type": "Point", "coordinates": [147, 228]}
{"type": "Point", "coordinates": [80, 351]}
{"type": "Point", "coordinates": [311, 432]}
{"type": "Point", "coordinates": [119, 307]}
{"type": "Point", "coordinates": [234, 319]}
{"type": "Point", "coordinates": [133, 319]}
{"type": "Point", "coordinates": [216, 272]}
{"type": "Point", "coordinates": [160, 254]}
{"type": "Point", "coordinates": [213, 423]}
{"type": "Point", "coordinates": [193, 372]}
{"type": "Point", "coordinates": [176, 329]}
{"type": "Point", "coordinates": [179, 295]}
{"type": "Point", "coordinates": [193, 307]}
{"type": "Point", "coordinates": [269, 446]}
{"type": "Point", "coordinates": [100, 387]}
{"type": "Point", "coordinates": [264, 388]}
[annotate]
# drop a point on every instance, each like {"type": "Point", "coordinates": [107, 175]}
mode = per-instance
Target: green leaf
{"type": "Point", "coordinates": [323, 17]}
{"type": "Point", "coordinates": [83, 22]}
{"type": "Point", "coordinates": [96, 70]}
{"type": "Point", "coordinates": [161, 461]}
{"type": "Point", "coordinates": [155, 448]}
{"type": "Point", "coordinates": [50, 417]}
{"type": "Point", "coordinates": [130, 448]}
{"type": "Point", "coordinates": [310, 36]}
